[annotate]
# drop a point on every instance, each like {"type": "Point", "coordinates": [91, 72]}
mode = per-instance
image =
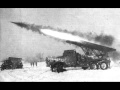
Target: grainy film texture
{"type": "Point", "coordinates": [59, 44]}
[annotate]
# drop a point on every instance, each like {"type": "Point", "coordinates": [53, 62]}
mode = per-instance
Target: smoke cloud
{"type": "Point", "coordinates": [105, 39]}
{"type": "Point", "coordinates": [115, 56]}
{"type": "Point", "coordinates": [102, 39]}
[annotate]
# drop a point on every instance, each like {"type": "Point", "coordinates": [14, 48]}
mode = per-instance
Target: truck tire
{"type": "Point", "coordinates": [84, 68]}
{"type": "Point", "coordinates": [2, 68]}
{"type": "Point", "coordinates": [93, 66]}
{"type": "Point", "coordinates": [60, 67]}
{"type": "Point", "coordinates": [57, 67]}
{"type": "Point", "coordinates": [103, 65]}
{"type": "Point", "coordinates": [54, 69]}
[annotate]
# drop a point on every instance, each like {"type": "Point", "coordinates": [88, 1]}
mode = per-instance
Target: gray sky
{"type": "Point", "coordinates": [20, 41]}
{"type": "Point", "coordinates": [96, 20]}
{"type": "Point", "coordinates": [83, 19]}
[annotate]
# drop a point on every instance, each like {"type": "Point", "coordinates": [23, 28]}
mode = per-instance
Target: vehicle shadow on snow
{"type": "Point", "coordinates": [68, 69]}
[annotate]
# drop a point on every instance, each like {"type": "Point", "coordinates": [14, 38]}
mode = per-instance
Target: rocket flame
{"type": "Point", "coordinates": [61, 35]}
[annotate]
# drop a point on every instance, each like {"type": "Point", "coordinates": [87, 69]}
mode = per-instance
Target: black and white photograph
{"type": "Point", "coordinates": [59, 44]}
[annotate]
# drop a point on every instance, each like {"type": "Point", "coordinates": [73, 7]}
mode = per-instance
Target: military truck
{"type": "Point", "coordinates": [12, 63]}
{"type": "Point", "coordinates": [95, 57]}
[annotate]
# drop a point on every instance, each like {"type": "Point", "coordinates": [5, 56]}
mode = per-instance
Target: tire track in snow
{"type": "Point", "coordinates": [24, 76]}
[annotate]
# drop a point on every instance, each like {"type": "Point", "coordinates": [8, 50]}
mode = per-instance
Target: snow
{"type": "Point", "coordinates": [41, 73]}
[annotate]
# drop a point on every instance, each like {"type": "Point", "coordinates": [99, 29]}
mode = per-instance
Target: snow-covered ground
{"type": "Point", "coordinates": [41, 73]}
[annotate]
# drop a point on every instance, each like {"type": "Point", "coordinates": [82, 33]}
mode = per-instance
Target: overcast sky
{"type": "Point", "coordinates": [82, 19]}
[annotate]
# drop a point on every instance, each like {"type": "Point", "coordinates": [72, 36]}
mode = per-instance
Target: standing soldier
{"type": "Point", "coordinates": [36, 63]}
{"type": "Point", "coordinates": [32, 64]}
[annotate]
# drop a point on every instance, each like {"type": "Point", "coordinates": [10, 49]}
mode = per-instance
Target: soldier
{"type": "Point", "coordinates": [36, 63]}
{"type": "Point", "coordinates": [32, 64]}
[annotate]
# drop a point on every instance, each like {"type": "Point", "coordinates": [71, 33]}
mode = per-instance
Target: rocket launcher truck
{"type": "Point", "coordinates": [95, 57]}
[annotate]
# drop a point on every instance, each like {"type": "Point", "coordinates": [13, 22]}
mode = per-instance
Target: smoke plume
{"type": "Point", "coordinates": [115, 56]}
{"type": "Point", "coordinates": [103, 39]}
{"type": "Point", "coordinates": [32, 27]}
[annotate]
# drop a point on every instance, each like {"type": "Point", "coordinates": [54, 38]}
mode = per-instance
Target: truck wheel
{"type": "Point", "coordinates": [2, 68]}
{"type": "Point", "coordinates": [54, 69]}
{"type": "Point", "coordinates": [84, 68]}
{"type": "Point", "coordinates": [59, 67]}
{"type": "Point", "coordinates": [93, 66]}
{"type": "Point", "coordinates": [103, 65]}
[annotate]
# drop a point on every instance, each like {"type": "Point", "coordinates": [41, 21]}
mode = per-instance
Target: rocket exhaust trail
{"type": "Point", "coordinates": [58, 35]}
{"type": "Point", "coordinates": [32, 27]}
{"type": "Point", "coordinates": [62, 35]}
